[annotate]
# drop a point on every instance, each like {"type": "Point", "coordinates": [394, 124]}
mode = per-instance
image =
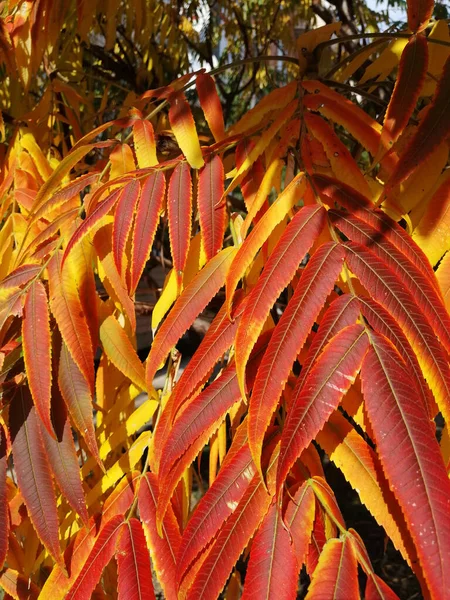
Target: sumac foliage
{"type": "Point", "coordinates": [314, 233]}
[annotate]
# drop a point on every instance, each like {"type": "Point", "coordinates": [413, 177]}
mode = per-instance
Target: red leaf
{"type": "Point", "coordinates": [216, 342]}
{"type": "Point", "coordinates": [288, 338]}
{"type": "Point", "coordinates": [133, 561]}
{"type": "Point", "coordinates": [163, 549]}
{"type": "Point", "coordinates": [98, 558]}
{"type": "Point", "coordinates": [215, 507]}
{"type": "Point", "coordinates": [285, 259]}
{"type": "Point", "coordinates": [376, 589]}
{"type": "Point", "coordinates": [212, 208]}
{"type": "Point", "coordinates": [334, 192]}
{"type": "Point", "coordinates": [33, 471]}
{"type": "Point", "coordinates": [413, 280]}
{"type": "Point", "coordinates": [232, 539]}
{"type": "Point", "coordinates": [147, 216]}
{"type": "Point", "coordinates": [433, 129]}
{"type": "Point", "coordinates": [382, 322]}
{"type": "Point", "coordinates": [336, 575]}
{"type": "Point", "coordinates": [342, 312]}
{"type": "Point", "coordinates": [68, 312]}
{"type": "Point", "coordinates": [253, 179]}
{"type": "Point", "coordinates": [37, 350]}
{"type": "Point", "coordinates": [63, 458]}
{"type": "Point", "coordinates": [419, 13]}
{"type": "Point", "coordinates": [326, 384]}
{"type": "Point", "coordinates": [123, 219]}
{"type": "Point", "coordinates": [211, 105]}
{"type": "Point", "coordinates": [192, 301]}
{"type": "Point", "coordinates": [272, 570]}
{"type": "Point", "coordinates": [411, 76]}
{"type": "Point", "coordinates": [416, 471]}
{"type": "Point", "coordinates": [383, 285]}
{"type": "Point", "coordinates": [299, 518]}
{"type": "Point", "coordinates": [78, 399]}
{"type": "Point", "coordinates": [4, 513]}
{"type": "Point", "coordinates": [179, 211]}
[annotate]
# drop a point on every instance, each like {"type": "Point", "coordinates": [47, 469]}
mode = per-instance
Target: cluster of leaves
{"type": "Point", "coordinates": [333, 332]}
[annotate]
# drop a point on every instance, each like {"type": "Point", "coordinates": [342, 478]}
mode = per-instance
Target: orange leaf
{"type": "Point", "coordinates": [212, 209]}
{"type": "Point", "coordinates": [419, 13]}
{"type": "Point", "coordinates": [144, 143]}
{"type": "Point", "coordinates": [4, 516]}
{"type": "Point", "coordinates": [123, 219]}
{"type": "Point", "coordinates": [210, 103]}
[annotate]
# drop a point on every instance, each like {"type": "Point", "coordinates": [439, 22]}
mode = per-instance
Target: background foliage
{"type": "Point", "coordinates": [280, 192]}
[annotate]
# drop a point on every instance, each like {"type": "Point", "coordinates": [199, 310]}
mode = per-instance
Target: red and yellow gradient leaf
{"type": "Point", "coordinates": [147, 217]}
{"type": "Point", "coordinates": [192, 301]}
{"type": "Point", "coordinates": [411, 76]}
{"type": "Point", "coordinates": [4, 512]}
{"type": "Point", "coordinates": [183, 127]}
{"type": "Point", "coordinates": [327, 499]}
{"type": "Point", "coordinates": [279, 270]}
{"type": "Point", "coordinates": [78, 399]}
{"type": "Point", "coordinates": [376, 589]}
{"type": "Point", "coordinates": [144, 143]}
{"type": "Point", "coordinates": [123, 219]}
{"type": "Point", "coordinates": [179, 210]}
{"type": "Point", "coordinates": [92, 221]}
{"type": "Point", "coordinates": [299, 519]}
{"type": "Point", "coordinates": [260, 233]}
{"type": "Point", "coordinates": [419, 13]}
{"type": "Point", "coordinates": [163, 549]}
{"type": "Point", "coordinates": [215, 507]}
{"type": "Point", "coordinates": [416, 471]}
{"type": "Point", "coordinates": [342, 162]}
{"type": "Point", "coordinates": [251, 183]}
{"type": "Point", "coordinates": [133, 563]}
{"type": "Point", "coordinates": [433, 129]}
{"type": "Point", "coordinates": [212, 207]}
{"type": "Point", "coordinates": [272, 570]}
{"type": "Point", "coordinates": [327, 382]}
{"type": "Point", "coordinates": [120, 351]}
{"type": "Point", "coordinates": [66, 307]}
{"type": "Point", "coordinates": [37, 350]}
{"type": "Point", "coordinates": [336, 575]}
{"type": "Point", "coordinates": [211, 105]}
{"type": "Point", "coordinates": [232, 538]}
{"type": "Point", "coordinates": [334, 192]}
{"type": "Point", "coordinates": [288, 338]}
{"type": "Point", "coordinates": [100, 555]}
{"type": "Point", "coordinates": [385, 288]}
{"type": "Point", "coordinates": [20, 276]}
{"type": "Point", "coordinates": [33, 471]}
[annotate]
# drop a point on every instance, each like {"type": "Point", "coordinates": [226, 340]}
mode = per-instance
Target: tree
{"type": "Point", "coordinates": [301, 193]}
